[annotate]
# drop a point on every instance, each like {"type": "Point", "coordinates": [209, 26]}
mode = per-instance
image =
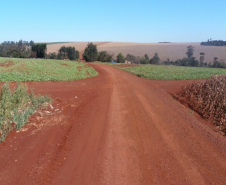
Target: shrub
{"type": "Point", "coordinates": [91, 53]}
{"type": "Point", "coordinates": [120, 58]}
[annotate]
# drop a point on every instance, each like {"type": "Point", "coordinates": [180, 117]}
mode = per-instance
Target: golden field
{"type": "Point", "coordinates": [172, 51]}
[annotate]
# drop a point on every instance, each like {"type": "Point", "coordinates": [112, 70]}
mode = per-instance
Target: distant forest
{"type": "Point", "coordinates": [21, 49]}
{"type": "Point", "coordinates": [214, 43]}
{"type": "Point", "coordinates": [25, 49]}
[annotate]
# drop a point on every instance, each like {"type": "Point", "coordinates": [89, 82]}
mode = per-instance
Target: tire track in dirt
{"type": "Point", "coordinates": [116, 128]}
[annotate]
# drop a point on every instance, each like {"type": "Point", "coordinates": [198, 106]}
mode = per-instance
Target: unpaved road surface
{"type": "Point", "coordinates": [115, 128]}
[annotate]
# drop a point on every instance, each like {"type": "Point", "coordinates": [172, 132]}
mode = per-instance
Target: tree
{"type": "Point", "coordinates": [190, 51]}
{"type": "Point", "coordinates": [120, 58]}
{"type": "Point", "coordinates": [40, 50]}
{"type": "Point", "coordinates": [202, 59]}
{"type": "Point", "coordinates": [31, 43]}
{"type": "Point", "coordinates": [155, 59]}
{"type": "Point", "coordinates": [68, 53]}
{"type": "Point", "coordinates": [146, 57]}
{"type": "Point", "coordinates": [103, 56]}
{"type": "Point", "coordinates": [91, 53]}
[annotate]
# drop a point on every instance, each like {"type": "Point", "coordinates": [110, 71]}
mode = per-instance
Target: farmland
{"type": "Point", "coordinates": [130, 128]}
{"type": "Point", "coordinates": [43, 70]}
{"type": "Point", "coordinates": [173, 51]}
{"type": "Point", "coordinates": [159, 72]}
{"type": "Point", "coordinates": [80, 46]}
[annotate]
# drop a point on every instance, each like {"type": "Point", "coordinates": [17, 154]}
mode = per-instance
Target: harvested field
{"type": "Point", "coordinates": [80, 46]}
{"type": "Point", "coordinates": [173, 51]}
{"type": "Point", "coordinates": [115, 128]}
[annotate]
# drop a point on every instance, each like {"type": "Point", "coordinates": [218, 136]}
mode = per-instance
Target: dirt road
{"type": "Point", "coordinates": [117, 129]}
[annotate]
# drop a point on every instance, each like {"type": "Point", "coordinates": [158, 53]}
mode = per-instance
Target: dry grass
{"type": "Point", "coordinates": [208, 99]}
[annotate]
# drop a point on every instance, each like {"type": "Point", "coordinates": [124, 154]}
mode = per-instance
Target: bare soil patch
{"type": "Point", "coordinates": [7, 64]}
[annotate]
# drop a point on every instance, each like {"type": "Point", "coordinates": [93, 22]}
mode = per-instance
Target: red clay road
{"type": "Point", "coordinates": [117, 129]}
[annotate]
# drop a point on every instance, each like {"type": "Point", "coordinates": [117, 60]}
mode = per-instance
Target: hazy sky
{"type": "Point", "coordinates": [113, 20]}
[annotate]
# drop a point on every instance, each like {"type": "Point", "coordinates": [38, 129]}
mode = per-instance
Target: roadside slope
{"type": "Point", "coordinates": [115, 128]}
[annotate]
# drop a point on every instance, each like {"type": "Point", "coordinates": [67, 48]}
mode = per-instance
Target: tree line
{"type": "Point", "coordinates": [30, 49]}
{"type": "Point", "coordinates": [91, 54]}
{"type": "Point", "coordinates": [20, 49]}
{"type": "Point", "coordinates": [214, 43]}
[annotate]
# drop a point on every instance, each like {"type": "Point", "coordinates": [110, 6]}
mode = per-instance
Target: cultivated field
{"type": "Point", "coordinates": [172, 51]}
{"type": "Point", "coordinates": [115, 128]}
{"type": "Point", "coordinates": [43, 70]}
{"type": "Point", "coordinates": [80, 46]}
{"type": "Point", "coordinates": [161, 72]}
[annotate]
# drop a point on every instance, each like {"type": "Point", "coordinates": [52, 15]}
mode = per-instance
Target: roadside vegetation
{"type": "Point", "coordinates": [208, 99]}
{"type": "Point", "coordinates": [161, 72]}
{"type": "Point", "coordinates": [16, 106]}
{"type": "Point", "coordinates": [21, 70]}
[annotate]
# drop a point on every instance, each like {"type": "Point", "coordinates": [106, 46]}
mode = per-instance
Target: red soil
{"type": "Point", "coordinates": [115, 128]}
{"type": "Point", "coordinates": [7, 64]}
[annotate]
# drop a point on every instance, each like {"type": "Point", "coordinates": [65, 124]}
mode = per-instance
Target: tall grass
{"type": "Point", "coordinates": [16, 106]}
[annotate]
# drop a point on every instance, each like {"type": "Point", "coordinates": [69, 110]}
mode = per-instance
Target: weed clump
{"type": "Point", "coordinates": [208, 99]}
{"type": "Point", "coordinates": [16, 106]}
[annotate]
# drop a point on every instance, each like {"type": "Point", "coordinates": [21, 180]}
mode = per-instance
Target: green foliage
{"type": "Point", "coordinates": [21, 49]}
{"type": "Point", "coordinates": [120, 58]}
{"type": "Point", "coordinates": [155, 59]}
{"type": "Point", "coordinates": [103, 56]}
{"type": "Point", "coordinates": [160, 72]}
{"type": "Point", "coordinates": [91, 53]}
{"type": "Point", "coordinates": [190, 51]}
{"type": "Point", "coordinates": [15, 108]}
{"type": "Point", "coordinates": [146, 57]}
{"type": "Point", "coordinates": [40, 50]}
{"type": "Point", "coordinates": [68, 53]}
{"type": "Point", "coordinates": [43, 70]}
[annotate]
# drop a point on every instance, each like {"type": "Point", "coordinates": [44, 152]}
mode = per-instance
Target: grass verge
{"type": "Point", "coordinates": [160, 72]}
{"type": "Point", "coordinates": [16, 106]}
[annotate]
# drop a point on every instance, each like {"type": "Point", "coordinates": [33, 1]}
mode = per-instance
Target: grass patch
{"type": "Point", "coordinates": [16, 106]}
{"type": "Point", "coordinates": [160, 72]}
{"type": "Point", "coordinates": [21, 70]}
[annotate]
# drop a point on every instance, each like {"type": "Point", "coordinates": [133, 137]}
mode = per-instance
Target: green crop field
{"type": "Point", "coordinates": [21, 70]}
{"type": "Point", "coordinates": [160, 72]}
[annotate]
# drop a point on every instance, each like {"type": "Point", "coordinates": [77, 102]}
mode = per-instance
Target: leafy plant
{"type": "Point", "coordinates": [16, 106]}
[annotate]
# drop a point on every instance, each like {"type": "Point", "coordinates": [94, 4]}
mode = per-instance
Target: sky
{"type": "Point", "coordinates": [142, 21]}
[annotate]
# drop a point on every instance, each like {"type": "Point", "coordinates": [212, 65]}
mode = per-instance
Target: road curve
{"type": "Point", "coordinates": [115, 128]}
